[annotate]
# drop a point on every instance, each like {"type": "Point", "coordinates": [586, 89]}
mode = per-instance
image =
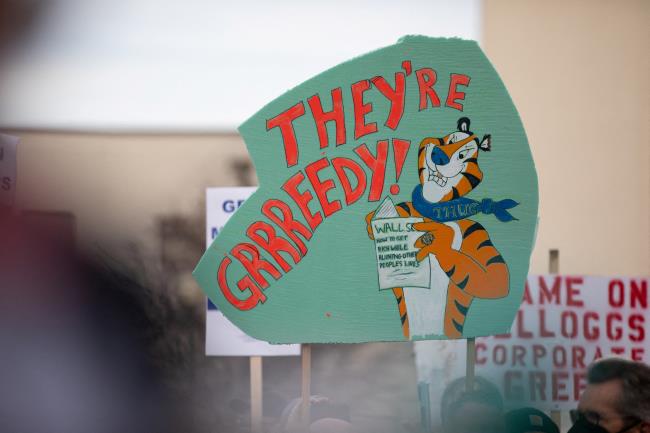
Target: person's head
{"type": "Point", "coordinates": [529, 420]}
{"type": "Point", "coordinates": [325, 415]}
{"type": "Point", "coordinates": [330, 425]}
{"type": "Point", "coordinates": [616, 399]}
{"type": "Point", "coordinates": [479, 410]}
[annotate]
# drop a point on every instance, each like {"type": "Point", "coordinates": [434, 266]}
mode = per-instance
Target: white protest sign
{"type": "Point", "coordinates": [222, 338]}
{"type": "Point", "coordinates": [563, 324]}
{"type": "Point", "coordinates": [8, 145]}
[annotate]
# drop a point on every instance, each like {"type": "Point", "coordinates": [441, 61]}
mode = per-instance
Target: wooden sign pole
{"type": "Point", "coordinates": [256, 394]}
{"type": "Point", "coordinates": [554, 261]}
{"type": "Point", "coordinates": [306, 386]}
{"type": "Point", "coordinates": [554, 268]}
{"type": "Point", "coordinates": [470, 364]}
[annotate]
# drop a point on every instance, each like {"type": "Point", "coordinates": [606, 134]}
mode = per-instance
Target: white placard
{"type": "Point", "coordinates": [8, 145]}
{"type": "Point", "coordinates": [222, 338]}
{"type": "Point", "coordinates": [564, 323]}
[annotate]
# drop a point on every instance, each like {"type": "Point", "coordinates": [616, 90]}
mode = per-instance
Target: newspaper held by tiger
{"type": "Point", "coordinates": [395, 239]}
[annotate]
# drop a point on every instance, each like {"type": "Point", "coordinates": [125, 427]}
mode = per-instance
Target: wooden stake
{"type": "Point", "coordinates": [306, 386]}
{"type": "Point", "coordinates": [256, 394]}
{"type": "Point", "coordinates": [470, 364]}
{"type": "Point", "coordinates": [554, 261]}
{"type": "Point", "coordinates": [554, 268]}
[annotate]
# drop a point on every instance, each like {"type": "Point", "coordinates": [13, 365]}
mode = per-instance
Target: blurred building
{"type": "Point", "coordinates": [577, 72]}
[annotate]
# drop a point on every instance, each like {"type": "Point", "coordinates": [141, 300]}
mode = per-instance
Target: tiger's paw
{"type": "Point", "coordinates": [368, 224]}
{"type": "Point", "coordinates": [437, 239]}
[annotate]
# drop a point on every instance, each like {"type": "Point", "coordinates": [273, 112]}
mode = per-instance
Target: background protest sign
{"type": "Point", "coordinates": [563, 324]}
{"type": "Point", "coordinates": [222, 338]}
{"type": "Point", "coordinates": [298, 263]}
{"type": "Point", "coordinates": [8, 145]}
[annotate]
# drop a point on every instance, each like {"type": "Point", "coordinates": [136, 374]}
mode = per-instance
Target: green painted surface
{"type": "Point", "coordinates": [332, 294]}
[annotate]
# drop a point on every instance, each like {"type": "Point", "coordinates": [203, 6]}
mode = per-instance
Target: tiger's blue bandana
{"type": "Point", "coordinates": [461, 208]}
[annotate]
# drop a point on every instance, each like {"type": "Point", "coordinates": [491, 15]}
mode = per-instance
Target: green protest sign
{"type": "Point", "coordinates": [397, 200]}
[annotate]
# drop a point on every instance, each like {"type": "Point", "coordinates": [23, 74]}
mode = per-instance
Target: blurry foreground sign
{"type": "Point", "coordinates": [222, 338]}
{"type": "Point", "coordinates": [397, 200]}
{"type": "Point", "coordinates": [564, 324]}
{"type": "Point", "coordinates": [8, 146]}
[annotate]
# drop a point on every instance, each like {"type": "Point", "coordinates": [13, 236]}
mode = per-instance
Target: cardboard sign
{"type": "Point", "coordinates": [222, 338]}
{"type": "Point", "coordinates": [397, 200]}
{"type": "Point", "coordinates": [8, 145]}
{"type": "Point", "coordinates": [564, 324]}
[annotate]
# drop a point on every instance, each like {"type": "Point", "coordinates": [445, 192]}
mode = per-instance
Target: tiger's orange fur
{"type": "Point", "coordinates": [477, 269]}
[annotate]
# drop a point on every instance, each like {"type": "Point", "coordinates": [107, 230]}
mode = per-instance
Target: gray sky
{"type": "Point", "coordinates": [187, 65]}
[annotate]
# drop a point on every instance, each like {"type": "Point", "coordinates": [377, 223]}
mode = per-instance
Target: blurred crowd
{"type": "Point", "coordinates": [86, 348]}
{"type": "Point", "coordinates": [616, 400]}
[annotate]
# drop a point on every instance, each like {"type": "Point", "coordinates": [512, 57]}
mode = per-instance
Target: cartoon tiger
{"type": "Point", "coordinates": [464, 262]}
